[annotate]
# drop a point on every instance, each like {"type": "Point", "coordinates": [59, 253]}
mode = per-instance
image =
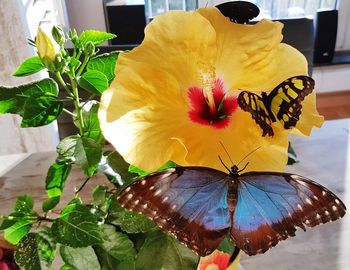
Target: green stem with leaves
{"type": "Point", "coordinates": [63, 84]}
{"type": "Point", "coordinates": [81, 69]}
{"type": "Point", "coordinates": [78, 109]}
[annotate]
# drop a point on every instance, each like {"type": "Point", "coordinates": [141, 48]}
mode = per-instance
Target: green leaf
{"type": "Point", "coordinates": [97, 37]}
{"type": "Point", "coordinates": [92, 128]}
{"type": "Point", "coordinates": [142, 173]}
{"type": "Point", "coordinates": [226, 245]}
{"type": "Point", "coordinates": [7, 222]}
{"type": "Point", "coordinates": [29, 66]}
{"type": "Point", "coordinates": [161, 251]}
{"type": "Point", "coordinates": [66, 149]}
{"type": "Point", "coordinates": [99, 195]}
{"type": "Point", "coordinates": [17, 224]}
{"type": "Point", "coordinates": [128, 221]}
{"type": "Point", "coordinates": [77, 226]}
{"type": "Point", "coordinates": [40, 110]}
{"type": "Point", "coordinates": [104, 63]}
{"type": "Point", "coordinates": [50, 203]}
{"type": "Point", "coordinates": [292, 156]}
{"type": "Point", "coordinates": [117, 244]}
{"type": "Point", "coordinates": [87, 155]}
{"type": "Point", "coordinates": [93, 81]}
{"type": "Point", "coordinates": [108, 262]}
{"type": "Point", "coordinates": [56, 178]}
{"type": "Point", "coordinates": [12, 99]}
{"type": "Point", "coordinates": [79, 258]}
{"type": "Point", "coordinates": [36, 251]}
{"type": "Point", "coordinates": [115, 168]}
{"type": "Point", "coordinates": [16, 232]}
{"type": "Point", "coordinates": [84, 152]}
{"type": "Point", "coordinates": [138, 171]}
{"type": "Point", "coordinates": [24, 204]}
{"type": "Point", "coordinates": [168, 164]}
{"type": "Point", "coordinates": [67, 267]}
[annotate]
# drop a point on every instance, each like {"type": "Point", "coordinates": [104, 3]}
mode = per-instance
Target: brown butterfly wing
{"type": "Point", "coordinates": [187, 202]}
{"type": "Point", "coordinates": [271, 206]}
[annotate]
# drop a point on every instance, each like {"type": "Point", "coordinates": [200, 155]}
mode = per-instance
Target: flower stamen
{"type": "Point", "coordinates": [212, 106]}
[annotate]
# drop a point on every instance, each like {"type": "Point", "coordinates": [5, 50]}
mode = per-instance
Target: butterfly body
{"type": "Point", "coordinates": [256, 210]}
{"type": "Point", "coordinates": [282, 104]}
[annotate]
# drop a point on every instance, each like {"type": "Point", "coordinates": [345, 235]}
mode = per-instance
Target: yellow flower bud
{"type": "Point", "coordinates": [47, 47]}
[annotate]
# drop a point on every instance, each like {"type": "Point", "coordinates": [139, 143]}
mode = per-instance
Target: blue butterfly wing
{"type": "Point", "coordinates": [270, 206]}
{"type": "Point", "coordinates": [189, 202]}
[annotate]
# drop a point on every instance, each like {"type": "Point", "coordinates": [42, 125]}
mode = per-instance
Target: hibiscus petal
{"type": "Point", "coordinates": [176, 43]}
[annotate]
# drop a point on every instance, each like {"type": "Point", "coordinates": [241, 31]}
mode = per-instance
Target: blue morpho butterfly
{"type": "Point", "coordinates": [200, 206]}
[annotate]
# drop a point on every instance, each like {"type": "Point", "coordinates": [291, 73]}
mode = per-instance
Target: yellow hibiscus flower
{"type": "Point", "coordinates": [175, 95]}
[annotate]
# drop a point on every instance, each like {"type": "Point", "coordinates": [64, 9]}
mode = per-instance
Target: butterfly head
{"type": "Point", "coordinates": [234, 171]}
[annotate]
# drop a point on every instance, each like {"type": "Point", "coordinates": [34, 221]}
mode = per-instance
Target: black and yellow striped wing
{"type": "Point", "coordinates": [254, 104]}
{"type": "Point", "coordinates": [286, 99]}
{"type": "Point", "coordinates": [283, 103]}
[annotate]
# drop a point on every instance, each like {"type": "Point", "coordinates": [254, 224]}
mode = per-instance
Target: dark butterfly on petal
{"type": "Point", "coordinates": [283, 103]}
{"type": "Point", "coordinates": [239, 11]}
{"type": "Point", "coordinates": [200, 206]}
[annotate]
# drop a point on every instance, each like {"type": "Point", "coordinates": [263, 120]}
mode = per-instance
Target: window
{"type": "Point", "coordinates": [282, 9]}
{"type": "Point", "coordinates": [156, 7]}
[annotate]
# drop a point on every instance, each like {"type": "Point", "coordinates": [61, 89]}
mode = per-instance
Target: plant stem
{"type": "Point", "coordinates": [86, 60]}
{"type": "Point", "coordinates": [40, 218]}
{"type": "Point", "coordinates": [62, 83]}
{"type": "Point", "coordinates": [69, 112]}
{"type": "Point", "coordinates": [78, 109]}
{"type": "Point", "coordinates": [82, 186]}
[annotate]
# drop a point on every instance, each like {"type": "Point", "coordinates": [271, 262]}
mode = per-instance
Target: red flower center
{"type": "Point", "coordinates": [213, 111]}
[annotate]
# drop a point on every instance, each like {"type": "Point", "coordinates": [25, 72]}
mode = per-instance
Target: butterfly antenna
{"type": "Point", "coordinates": [247, 155]}
{"type": "Point", "coordinates": [241, 170]}
{"type": "Point", "coordinates": [226, 152]}
{"type": "Point", "coordinates": [227, 168]}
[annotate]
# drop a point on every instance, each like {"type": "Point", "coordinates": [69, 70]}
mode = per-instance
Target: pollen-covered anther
{"type": "Point", "coordinates": [136, 202]}
{"type": "Point", "coordinates": [165, 199]}
{"type": "Point", "coordinates": [300, 207]}
{"type": "Point", "coordinates": [144, 206]}
{"type": "Point", "coordinates": [143, 182]}
{"type": "Point", "coordinates": [151, 187]}
{"type": "Point", "coordinates": [337, 201]}
{"type": "Point", "coordinates": [127, 189]}
{"type": "Point", "coordinates": [334, 208]}
{"type": "Point", "coordinates": [129, 196]}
